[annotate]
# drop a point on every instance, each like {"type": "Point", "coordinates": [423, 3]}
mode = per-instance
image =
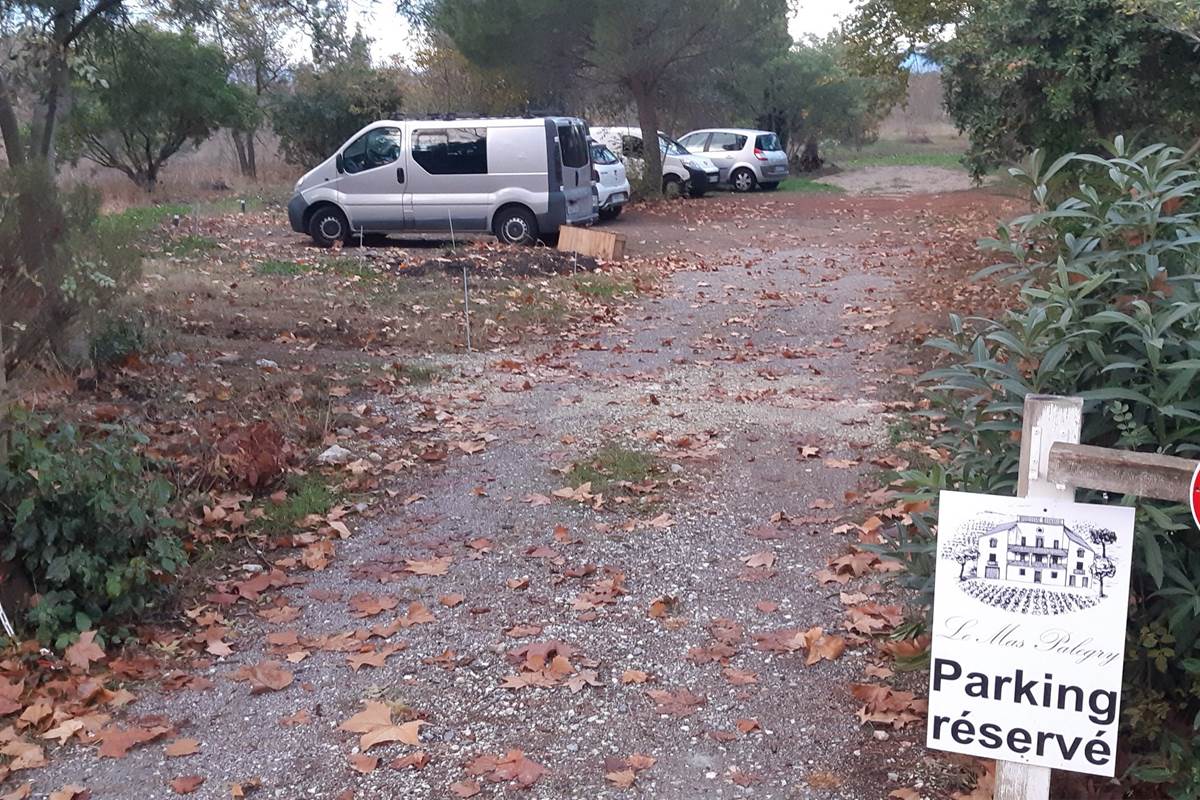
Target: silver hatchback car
{"type": "Point", "coordinates": [745, 157]}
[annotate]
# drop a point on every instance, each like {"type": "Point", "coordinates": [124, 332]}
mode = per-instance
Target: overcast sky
{"type": "Point", "coordinates": [394, 37]}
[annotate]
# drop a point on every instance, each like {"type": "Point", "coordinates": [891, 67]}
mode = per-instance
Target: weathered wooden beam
{"type": "Point", "coordinates": [1122, 471]}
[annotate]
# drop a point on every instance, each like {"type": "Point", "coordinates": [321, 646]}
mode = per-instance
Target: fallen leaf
{"type": "Point", "coordinates": [186, 784]}
{"type": "Point", "coordinates": [465, 788]}
{"type": "Point", "coordinates": [182, 747]}
{"type": "Point", "coordinates": [361, 762]}
{"type": "Point", "coordinates": [85, 650]}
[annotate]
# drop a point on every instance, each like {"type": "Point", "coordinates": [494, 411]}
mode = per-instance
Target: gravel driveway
{"type": "Point", "coordinates": [775, 341]}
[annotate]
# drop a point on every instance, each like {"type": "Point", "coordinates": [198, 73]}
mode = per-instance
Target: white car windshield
{"type": "Point", "coordinates": [602, 155]}
{"type": "Point", "coordinates": [670, 147]}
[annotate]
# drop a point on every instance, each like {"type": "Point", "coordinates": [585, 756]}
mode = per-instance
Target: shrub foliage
{"type": "Point", "coordinates": [87, 520]}
{"type": "Point", "coordinates": [1109, 310]}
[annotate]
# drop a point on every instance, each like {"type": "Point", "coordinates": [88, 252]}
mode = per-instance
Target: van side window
{"type": "Point", "coordinates": [451, 151]}
{"type": "Point", "coordinates": [573, 144]}
{"type": "Point", "coordinates": [375, 148]}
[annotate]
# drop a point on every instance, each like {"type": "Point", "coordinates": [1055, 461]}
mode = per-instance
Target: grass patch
{"type": "Point", "coordinates": [601, 286]}
{"type": "Point", "coordinates": [806, 186]}
{"type": "Point", "coordinates": [191, 246]}
{"type": "Point", "coordinates": [945, 160]}
{"type": "Point", "coordinates": [144, 218]}
{"type": "Point", "coordinates": [273, 267]}
{"type": "Point", "coordinates": [613, 464]}
{"type": "Point", "coordinates": [419, 374]}
{"type": "Point", "coordinates": [307, 494]}
{"type": "Point", "coordinates": [347, 266]}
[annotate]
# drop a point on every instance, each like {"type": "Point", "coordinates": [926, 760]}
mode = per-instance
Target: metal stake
{"type": "Point", "coordinates": [466, 306]}
{"type": "Point", "coordinates": [453, 244]}
{"type": "Point", "coordinates": [243, 206]}
{"type": "Point", "coordinates": [361, 254]}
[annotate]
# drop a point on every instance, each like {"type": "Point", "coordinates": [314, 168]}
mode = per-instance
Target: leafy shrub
{"type": "Point", "coordinates": [59, 262]}
{"type": "Point", "coordinates": [1109, 310]}
{"type": "Point", "coordinates": [87, 519]}
{"type": "Point", "coordinates": [118, 338]}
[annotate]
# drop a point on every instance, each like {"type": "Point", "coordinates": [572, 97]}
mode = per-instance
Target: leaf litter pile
{"type": "Point", "coordinates": [619, 550]}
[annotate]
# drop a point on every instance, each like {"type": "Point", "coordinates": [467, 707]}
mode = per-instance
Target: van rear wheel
{"type": "Point", "coordinates": [328, 226]}
{"type": "Point", "coordinates": [515, 225]}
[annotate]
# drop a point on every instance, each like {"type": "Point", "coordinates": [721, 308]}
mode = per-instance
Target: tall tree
{"type": "Point", "coordinates": [640, 47]}
{"type": "Point", "coordinates": [43, 37]}
{"type": "Point", "coordinates": [806, 94]}
{"type": "Point", "coordinates": [160, 90]}
{"type": "Point", "coordinates": [328, 102]}
{"type": "Point", "coordinates": [1065, 75]}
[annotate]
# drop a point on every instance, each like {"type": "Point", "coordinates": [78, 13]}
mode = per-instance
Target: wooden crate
{"type": "Point", "coordinates": [602, 245]}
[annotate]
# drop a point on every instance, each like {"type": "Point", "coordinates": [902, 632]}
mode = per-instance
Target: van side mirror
{"type": "Point", "coordinates": [340, 163]}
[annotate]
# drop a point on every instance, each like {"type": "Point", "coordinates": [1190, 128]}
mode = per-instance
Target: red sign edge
{"type": "Point", "coordinates": [1195, 492]}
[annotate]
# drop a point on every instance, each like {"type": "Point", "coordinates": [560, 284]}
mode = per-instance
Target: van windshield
{"type": "Point", "coordinates": [670, 147]}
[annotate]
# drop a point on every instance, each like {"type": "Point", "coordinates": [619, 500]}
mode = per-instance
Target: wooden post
{"type": "Point", "coordinates": [1048, 419]}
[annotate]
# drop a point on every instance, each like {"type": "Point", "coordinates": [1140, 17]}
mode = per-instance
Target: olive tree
{"type": "Point", "coordinates": [159, 91]}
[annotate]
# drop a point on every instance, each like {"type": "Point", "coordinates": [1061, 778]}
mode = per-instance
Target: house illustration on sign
{"type": "Point", "coordinates": [1035, 550]}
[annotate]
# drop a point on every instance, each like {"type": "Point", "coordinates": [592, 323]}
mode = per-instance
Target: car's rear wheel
{"type": "Point", "coordinates": [328, 226]}
{"type": "Point", "coordinates": [515, 225]}
{"type": "Point", "coordinates": [742, 180]}
{"type": "Point", "coordinates": [770, 186]}
{"type": "Point", "coordinates": [610, 213]}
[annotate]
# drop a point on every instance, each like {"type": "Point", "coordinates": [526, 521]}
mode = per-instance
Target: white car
{"type": "Point", "coordinates": [682, 171]}
{"type": "Point", "coordinates": [612, 185]}
{"type": "Point", "coordinates": [747, 158]}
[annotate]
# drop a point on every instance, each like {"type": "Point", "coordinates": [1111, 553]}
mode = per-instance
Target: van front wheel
{"type": "Point", "coordinates": [672, 187]}
{"type": "Point", "coordinates": [328, 226]}
{"type": "Point", "coordinates": [515, 225]}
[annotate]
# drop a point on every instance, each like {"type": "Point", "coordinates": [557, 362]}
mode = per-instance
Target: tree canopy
{"type": "Point", "coordinates": [638, 47]}
{"type": "Point", "coordinates": [329, 102]}
{"type": "Point", "coordinates": [157, 91]}
{"type": "Point", "coordinates": [1059, 74]}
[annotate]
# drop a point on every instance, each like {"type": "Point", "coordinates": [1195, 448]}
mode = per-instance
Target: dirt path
{"type": "Point", "coordinates": [776, 340]}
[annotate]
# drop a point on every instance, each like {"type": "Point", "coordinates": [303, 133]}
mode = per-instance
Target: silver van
{"type": "Point", "coordinates": [519, 179]}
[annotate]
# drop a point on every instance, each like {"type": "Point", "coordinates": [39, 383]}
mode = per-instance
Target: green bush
{"type": "Point", "coordinates": [60, 261]}
{"type": "Point", "coordinates": [1109, 311]}
{"type": "Point", "coordinates": [87, 519]}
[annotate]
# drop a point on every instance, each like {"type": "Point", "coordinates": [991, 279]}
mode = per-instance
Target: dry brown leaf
{"type": "Point", "coordinates": [182, 747]}
{"type": "Point", "coordinates": [84, 651]}
{"type": "Point", "coordinates": [186, 784]}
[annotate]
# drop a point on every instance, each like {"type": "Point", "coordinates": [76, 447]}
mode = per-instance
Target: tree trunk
{"type": "Point", "coordinates": [10, 128]}
{"type": "Point", "coordinates": [239, 147]}
{"type": "Point", "coordinates": [810, 158]}
{"type": "Point", "coordinates": [251, 157]}
{"type": "Point", "coordinates": [647, 111]}
{"type": "Point", "coordinates": [57, 74]}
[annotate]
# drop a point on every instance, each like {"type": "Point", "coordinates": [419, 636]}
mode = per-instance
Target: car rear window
{"type": "Point", "coordinates": [767, 141]}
